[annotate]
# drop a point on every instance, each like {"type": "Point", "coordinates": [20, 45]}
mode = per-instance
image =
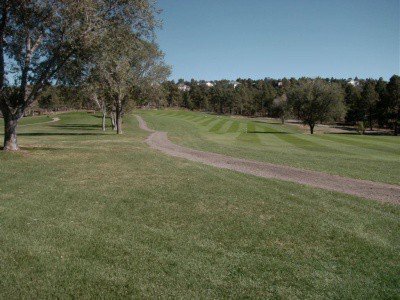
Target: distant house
{"type": "Point", "coordinates": [183, 87]}
{"type": "Point", "coordinates": [209, 84]}
{"type": "Point", "coordinates": [234, 83]}
{"type": "Point", "coordinates": [280, 83]}
{"type": "Point", "coordinates": [353, 82]}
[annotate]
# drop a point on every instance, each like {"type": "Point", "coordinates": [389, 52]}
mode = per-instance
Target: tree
{"type": "Point", "coordinates": [187, 101]}
{"type": "Point", "coordinates": [124, 70]}
{"type": "Point", "coordinates": [356, 109]}
{"type": "Point", "coordinates": [370, 99]}
{"type": "Point", "coordinates": [264, 97]}
{"type": "Point", "coordinates": [174, 97]}
{"type": "Point", "coordinates": [317, 101]}
{"type": "Point", "coordinates": [382, 107]}
{"type": "Point", "coordinates": [393, 88]}
{"type": "Point", "coordinates": [97, 94]}
{"type": "Point", "coordinates": [281, 107]}
{"type": "Point", "coordinates": [41, 37]}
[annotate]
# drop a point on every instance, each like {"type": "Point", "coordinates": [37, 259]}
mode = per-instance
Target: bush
{"type": "Point", "coordinates": [360, 127]}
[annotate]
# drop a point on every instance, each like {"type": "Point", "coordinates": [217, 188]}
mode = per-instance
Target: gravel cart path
{"type": "Point", "coordinates": [363, 188]}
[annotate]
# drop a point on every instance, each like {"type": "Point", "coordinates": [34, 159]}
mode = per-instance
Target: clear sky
{"type": "Point", "coordinates": [216, 39]}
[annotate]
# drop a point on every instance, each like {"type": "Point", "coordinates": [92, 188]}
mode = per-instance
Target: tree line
{"type": "Point", "coordinates": [365, 103]}
{"type": "Point", "coordinates": [362, 102]}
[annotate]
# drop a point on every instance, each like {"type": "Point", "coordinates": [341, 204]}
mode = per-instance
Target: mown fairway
{"type": "Point", "coordinates": [87, 214]}
{"type": "Point", "coordinates": [374, 158]}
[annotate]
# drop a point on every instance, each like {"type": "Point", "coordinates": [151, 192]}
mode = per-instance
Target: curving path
{"type": "Point", "coordinates": [366, 189]}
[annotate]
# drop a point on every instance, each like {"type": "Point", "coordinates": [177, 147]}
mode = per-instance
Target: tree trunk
{"type": "Point", "coordinates": [370, 121]}
{"type": "Point", "coordinates": [283, 120]}
{"type": "Point", "coordinates": [113, 122]}
{"type": "Point", "coordinates": [10, 134]}
{"type": "Point", "coordinates": [312, 128]}
{"type": "Point", "coordinates": [119, 123]}
{"type": "Point", "coordinates": [103, 123]}
{"type": "Point", "coordinates": [119, 117]}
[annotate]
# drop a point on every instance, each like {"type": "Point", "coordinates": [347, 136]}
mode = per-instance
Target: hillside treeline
{"type": "Point", "coordinates": [366, 103]}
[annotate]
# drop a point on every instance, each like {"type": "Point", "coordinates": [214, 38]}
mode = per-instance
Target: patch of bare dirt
{"type": "Point", "coordinates": [363, 188]}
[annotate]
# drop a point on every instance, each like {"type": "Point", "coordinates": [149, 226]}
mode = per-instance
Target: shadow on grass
{"type": "Point", "coordinates": [376, 133]}
{"type": "Point", "coordinates": [59, 133]}
{"type": "Point", "coordinates": [78, 126]}
{"type": "Point", "coordinates": [271, 132]}
{"type": "Point", "coordinates": [272, 123]}
{"type": "Point", "coordinates": [31, 148]}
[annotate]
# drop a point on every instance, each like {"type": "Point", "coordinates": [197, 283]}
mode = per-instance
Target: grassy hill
{"type": "Point", "coordinates": [90, 214]}
{"type": "Point", "coordinates": [374, 158]}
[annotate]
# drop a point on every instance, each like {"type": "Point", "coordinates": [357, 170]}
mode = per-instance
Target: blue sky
{"type": "Point", "coordinates": [216, 39]}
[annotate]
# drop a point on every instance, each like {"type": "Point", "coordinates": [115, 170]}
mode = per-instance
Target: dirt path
{"type": "Point", "coordinates": [362, 188]}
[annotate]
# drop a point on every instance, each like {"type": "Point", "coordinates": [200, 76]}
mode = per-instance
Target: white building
{"type": "Point", "coordinates": [183, 87]}
{"type": "Point", "coordinates": [209, 84]}
{"type": "Point", "coordinates": [234, 83]}
{"type": "Point", "coordinates": [353, 82]}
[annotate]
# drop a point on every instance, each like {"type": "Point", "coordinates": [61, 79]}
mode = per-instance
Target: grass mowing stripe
{"type": "Point", "coordinates": [226, 126]}
{"type": "Point", "coordinates": [250, 136]}
{"type": "Point", "coordinates": [218, 126]}
{"type": "Point", "coordinates": [175, 114]}
{"type": "Point", "coordinates": [159, 112]}
{"type": "Point", "coordinates": [162, 114]}
{"type": "Point", "coordinates": [290, 149]}
{"type": "Point", "coordinates": [283, 128]}
{"type": "Point", "coordinates": [266, 128]}
{"type": "Point", "coordinates": [207, 122]}
{"type": "Point", "coordinates": [190, 117]}
{"type": "Point", "coordinates": [370, 140]}
{"type": "Point", "coordinates": [297, 141]}
{"type": "Point", "coordinates": [199, 119]}
{"type": "Point", "coordinates": [234, 127]}
{"type": "Point", "coordinates": [251, 127]}
{"type": "Point", "coordinates": [359, 144]}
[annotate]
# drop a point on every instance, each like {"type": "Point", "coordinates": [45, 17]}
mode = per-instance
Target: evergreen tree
{"type": "Point", "coordinates": [393, 89]}
{"type": "Point", "coordinates": [370, 99]}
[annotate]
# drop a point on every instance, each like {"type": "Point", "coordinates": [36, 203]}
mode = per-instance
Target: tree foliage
{"type": "Point", "coordinates": [42, 39]}
{"type": "Point", "coordinates": [316, 101]}
{"type": "Point", "coordinates": [367, 101]}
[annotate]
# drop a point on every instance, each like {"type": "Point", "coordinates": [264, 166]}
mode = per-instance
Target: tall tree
{"type": "Point", "coordinates": [127, 68]}
{"type": "Point", "coordinates": [281, 107]}
{"type": "Point", "coordinates": [382, 107]}
{"type": "Point", "coordinates": [393, 88]}
{"type": "Point", "coordinates": [356, 109]}
{"type": "Point", "coordinates": [264, 97]}
{"type": "Point", "coordinates": [370, 99]}
{"type": "Point", "coordinates": [41, 37]}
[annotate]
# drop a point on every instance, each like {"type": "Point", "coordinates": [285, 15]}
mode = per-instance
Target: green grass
{"type": "Point", "coordinates": [87, 215]}
{"type": "Point", "coordinates": [375, 158]}
{"type": "Point", "coordinates": [30, 120]}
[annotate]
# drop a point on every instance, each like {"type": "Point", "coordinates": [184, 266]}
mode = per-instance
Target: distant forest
{"type": "Point", "coordinates": [361, 102]}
